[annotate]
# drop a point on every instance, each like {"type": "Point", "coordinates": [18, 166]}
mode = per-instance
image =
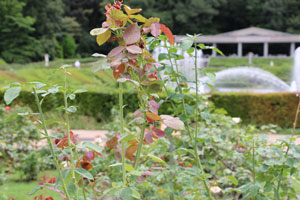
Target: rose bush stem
{"type": "Point", "coordinates": [51, 145]}
{"type": "Point", "coordinates": [68, 130]}
{"type": "Point", "coordinates": [123, 148]}
{"type": "Point", "coordinates": [138, 153]}
{"type": "Point", "coordinates": [196, 128]}
{"type": "Point", "coordinates": [276, 194]}
{"type": "Point", "coordinates": [192, 139]}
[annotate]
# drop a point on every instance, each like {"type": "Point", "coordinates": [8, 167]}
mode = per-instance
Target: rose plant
{"type": "Point", "coordinates": [195, 152]}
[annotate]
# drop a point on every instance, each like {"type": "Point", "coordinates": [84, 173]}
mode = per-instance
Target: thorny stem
{"type": "Point", "coordinates": [196, 128]}
{"type": "Point", "coordinates": [287, 151]}
{"type": "Point", "coordinates": [142, 107]}
{"type": "Point", "coordinates": [253, 161]}
{"type": "Point", "coordinates": [68, 129]}
{"type": "Point", "coordinates": [171, 147]}
{"type": "Point", "coordinates": [51, 145]}
{"type": "Point", "coordinates": [122, 132]}
{"type": "Point", "coordinates": [193, 139]}
{"type": "Point", "coordinates": [138, 153]}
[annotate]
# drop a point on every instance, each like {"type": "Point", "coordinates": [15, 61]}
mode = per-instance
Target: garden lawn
{"type": "Point", "coordinates": [86, 78]}
{"type": "Point", "coordinates": [20, 190]}
{"type": "Point", "coordinates": [282, 66]}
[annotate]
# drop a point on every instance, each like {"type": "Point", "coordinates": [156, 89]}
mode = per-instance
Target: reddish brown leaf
{"type": "Point", "coordinates": [159, 133]}
{"type": "Point", "coordinates": [168, 33]}
{"type": "Point", "coordinates": [88, 156]}
{"type": "Point", "coordinates": [132, 34]}
{"type": "Point", "coordinates": [172, 122]}
{"type": "Point", "coordinates": [153, 106]}
{"type": "Point", "coordinates": [130, 151]}
{"type": "Point", "coordinates": [120, 69]}
{"type": "Point", "coordinates": [115, 51]}
{"type": "Point", "coordinates": [86, 165]}
{"type": "Point", "coordinates": [134, 49]}
{"type": "Point", "coordinates": [153, 116]}
{"type": "Point", "coordinates": [155, 29]}
{"type": "Point", "coordinates": [112, 143]}
{"type": "Point", "coordinates": [148, 138]}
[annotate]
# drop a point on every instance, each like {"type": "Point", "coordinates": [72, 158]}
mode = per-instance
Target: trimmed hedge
{"type": "Point", "coordinates": [98, 105]}
{"type": "Point", "coordinates": [259, 109]}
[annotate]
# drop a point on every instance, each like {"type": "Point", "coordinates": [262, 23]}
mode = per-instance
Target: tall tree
{"type": "Point", "coordinates": [49, 23]}
{"type": "Point", "coordinates": [16, 44]}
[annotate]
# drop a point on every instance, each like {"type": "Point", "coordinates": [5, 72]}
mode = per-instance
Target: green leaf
{"type": "Point", "coordinates": [168, 131]}
{"type": "Point", "coordinates": [206, 116]}
{"type": "Point", "coordinates": [135, 194]}
{"type": "Point", "coordinates": [156, 159]}
{"type": "Point", "coordinates": [35, 189]}
{"type": "Point", "coordinates": [129, 168]}
{"type": "Point", "coordinates": [79, 91]}
{"type": "Point", "coordinates": [102, 38]}
{"type": "Point", "coordinates": [233, 180]}
{"type": "Point", "coordinates": [155, 86]}
{"type": "Point", "coordinates": [11, 94]}
{"type": "Point", "coordinates": [72, 189]}
{"type": "Point", "coordinates": [72, 109]}
{"type": "Point", "coordinates": [98, 31]}
{"type": "Point", "coordinates": [177, 96]}
{"type": "Point", "coordinates": [72, 96]}
{"type": "Point", "coordinates": [126, 193]}
{"type": "Point", "coordinates": [92, 147]}
{"type": "Point", "coordinates": [115, 165]}
{"type": "Point", "coordinates": [163, 56]}
{"type": "Point", "coordinates": [211, 76]}
{"type": "Point", "coordinates": [84, 173]}
{"type": "Point", "coordinates": [186, 45]}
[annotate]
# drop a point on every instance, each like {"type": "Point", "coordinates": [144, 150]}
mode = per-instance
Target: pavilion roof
{"type": "Point", "coordinates": [248, 35]}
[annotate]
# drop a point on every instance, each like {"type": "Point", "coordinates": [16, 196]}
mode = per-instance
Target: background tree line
{"type": "Point", "coordinates": [31, 28]}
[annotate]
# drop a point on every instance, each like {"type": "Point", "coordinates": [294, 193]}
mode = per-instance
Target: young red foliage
{"type": "Point", "coordinates": [168, 33]}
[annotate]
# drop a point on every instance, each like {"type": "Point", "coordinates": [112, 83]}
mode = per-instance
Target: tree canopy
{"type": "Point", "coordinates": [31, 28]}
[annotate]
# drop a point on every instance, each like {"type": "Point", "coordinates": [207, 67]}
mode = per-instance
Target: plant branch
{"type": "Point", "coordinates": [51, 145]}
{"type": "Point", "coordinates": [122, 132]}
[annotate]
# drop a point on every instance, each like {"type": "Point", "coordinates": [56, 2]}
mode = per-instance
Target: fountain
{"type": "Point", "coordinates": [296, 71]}
{"type": "Point", "coordinates": [240, 79]}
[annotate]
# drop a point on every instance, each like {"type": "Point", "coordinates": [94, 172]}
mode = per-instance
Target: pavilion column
{"type": "Point", "coordinates": [292, 49]}
{"type": "Point", "coordinates": [266, 49]}
{"type": "Point", "coordinates": [214, 53]}
{"type": "Point", "coordinates": [240, 49]}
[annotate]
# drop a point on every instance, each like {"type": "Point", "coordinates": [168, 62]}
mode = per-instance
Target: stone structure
{"type": "Point", "coordinates": [249, 35]}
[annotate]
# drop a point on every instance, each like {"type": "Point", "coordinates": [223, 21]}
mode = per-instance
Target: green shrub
{"type": "Point", "coordinates": [259, 109]}
{"type": "Point", "coordinates": [98, 105]}
{"type": "Point", "coordinates": [69, 46]}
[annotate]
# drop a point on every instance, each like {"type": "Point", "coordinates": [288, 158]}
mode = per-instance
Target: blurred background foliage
{"type": "Point", "coordinates": [31, 28]}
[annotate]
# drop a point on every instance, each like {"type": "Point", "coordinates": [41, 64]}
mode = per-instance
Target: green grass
{"type": "Point", "coordinates": [84, 78]}
{"type": "Point", "coordinates": [282, 66]}
{"type": "Point", "coordinates": [13, 187]}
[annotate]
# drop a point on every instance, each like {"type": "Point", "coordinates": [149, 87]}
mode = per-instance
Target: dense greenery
{"type": "Point", "coordinates": [259, 109]}
{"type": "Point", "coordinates": [31, 28]}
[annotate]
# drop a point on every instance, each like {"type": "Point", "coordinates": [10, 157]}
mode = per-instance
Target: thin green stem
{"type": "Point", "coordinates": [193, 139]}
{"type": "Point", "coordinates": [138, 153]}
{"type": "Point", "coordinates": [253, 161]}
{"type": "Point", "coordinates": [68, 130]}
{"type": "Point", "coordinates": [83, 189]}
{"type": "Point", "coordinates": [122, 131]}
{"type": "Point", "coordinates": [51, 145]}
